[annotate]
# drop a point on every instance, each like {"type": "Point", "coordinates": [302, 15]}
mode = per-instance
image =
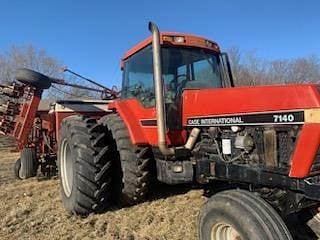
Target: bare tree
{"type": "Point", "coordinates": [37, 59]}
{"type": "Point", "coordinates": [303, 70]}
{"type": "Point", "coordinates": [247, 68]}
{"type": "Point", "coordinates": [237, 69]}
{"type": "Point", "coordinates": [28, 57]}
{"type": "Point", "coordinates": [252, 70]}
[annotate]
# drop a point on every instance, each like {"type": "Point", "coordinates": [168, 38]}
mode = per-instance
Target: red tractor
{"type": "Point", "coordinates": [180, 119]}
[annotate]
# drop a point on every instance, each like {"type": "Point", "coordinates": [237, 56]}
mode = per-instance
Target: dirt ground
{"type": "Point", "coordinates": [32, 209]}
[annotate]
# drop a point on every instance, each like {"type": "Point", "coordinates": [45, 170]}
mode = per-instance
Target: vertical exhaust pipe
{"type": "Point", "coordinates": [160, 106]}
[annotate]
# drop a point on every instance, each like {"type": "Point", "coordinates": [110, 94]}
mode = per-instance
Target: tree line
{"type": "Point", "coordinates": [248, 69]}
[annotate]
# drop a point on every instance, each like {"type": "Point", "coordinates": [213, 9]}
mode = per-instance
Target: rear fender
{"type": "Point", "coordinates": [128, 111]}
{"type": "Point", "coordinates": [142, 124]}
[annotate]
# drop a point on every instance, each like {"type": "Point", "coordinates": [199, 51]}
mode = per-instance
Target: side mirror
{"type": "Point", "coordinates": [33, 78]}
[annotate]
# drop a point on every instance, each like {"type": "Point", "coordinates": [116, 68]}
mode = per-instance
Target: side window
{"type": "Point", "coordinates": [205, 73]}
{"type": "Point", "coordinates": [138, 78]}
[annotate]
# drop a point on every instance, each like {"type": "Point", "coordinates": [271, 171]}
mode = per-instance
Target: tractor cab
{"type": "Point", "coordinates": [188, 62]}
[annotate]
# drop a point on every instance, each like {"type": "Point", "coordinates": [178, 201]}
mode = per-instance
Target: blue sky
{"type": "Point", "coordinates": [91, 36]}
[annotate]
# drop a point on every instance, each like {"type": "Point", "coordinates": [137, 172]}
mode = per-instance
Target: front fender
{"type": "Point", "coordinates": [305, 150]}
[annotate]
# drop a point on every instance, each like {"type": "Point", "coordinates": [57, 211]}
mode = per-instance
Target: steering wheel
{"type": "Point", "coordinates": [136, 89]}
{"type": "Point", "coordinates": [180, 85]}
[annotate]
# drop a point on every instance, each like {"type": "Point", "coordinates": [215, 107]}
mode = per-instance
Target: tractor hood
{"type": "Point", "coordinates": [250, 105]}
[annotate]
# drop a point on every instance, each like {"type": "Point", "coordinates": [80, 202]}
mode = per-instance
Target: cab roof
{"type": "Point", "coordinates": [169, 39]}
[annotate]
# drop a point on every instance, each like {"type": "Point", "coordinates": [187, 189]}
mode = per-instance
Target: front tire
{"type": "Point", "coordinates": [84, 169]}
{"type": "Point", "coordinates": [315, 222]}
{"type": "Point", "coordinates": [240, 215]}
{"type": "Point", "coordinates": [310, 219]}
{"type": "Point", "coordinates": [316, 214]}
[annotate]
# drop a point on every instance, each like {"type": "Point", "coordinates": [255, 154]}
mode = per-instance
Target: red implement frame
{"type": "Point", "coordinates": [25, 120]}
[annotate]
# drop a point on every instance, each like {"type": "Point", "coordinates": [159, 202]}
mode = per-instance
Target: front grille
{"type": "Point", "coordinates": [284, 150]}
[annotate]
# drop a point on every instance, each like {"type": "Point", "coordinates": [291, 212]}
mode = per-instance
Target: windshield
{"type": "Point", "coordinates": [181, 68]}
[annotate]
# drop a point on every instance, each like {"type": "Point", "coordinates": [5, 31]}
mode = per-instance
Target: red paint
{"type": "Point", "coordinates": [305, 150]}
{"type": "Point", "coordinates": [24, 121]}
{"type": "Point", "coordinates": [248, 100]}
{"type": "Point", "coordinates": [190, 41]}
{"type": "Point", "coordinates": [131, 111]}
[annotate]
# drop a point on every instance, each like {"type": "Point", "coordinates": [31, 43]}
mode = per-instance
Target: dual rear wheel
{"type": "Point", "coordinates": [99, 166]}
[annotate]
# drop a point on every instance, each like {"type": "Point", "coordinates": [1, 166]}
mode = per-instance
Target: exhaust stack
{"type": "Point", "coordinates": [160, 107]}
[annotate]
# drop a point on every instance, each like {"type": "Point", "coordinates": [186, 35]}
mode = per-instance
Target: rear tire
{"type": "Point", "coordinates": [239, 214]}
{"type": "Point", "coordinates": [84, 168]}
{"type": "Point", "coordinates": [28, 163]}
{"type": "Point", "coordinates": [133, 165]}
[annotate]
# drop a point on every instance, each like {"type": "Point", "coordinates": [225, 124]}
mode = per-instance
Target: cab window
{"type": "Point", "coordinates": [181, 68]}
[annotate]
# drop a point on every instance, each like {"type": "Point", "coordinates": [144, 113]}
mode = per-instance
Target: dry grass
{"type": "Point", "coordinates": [32, 209]}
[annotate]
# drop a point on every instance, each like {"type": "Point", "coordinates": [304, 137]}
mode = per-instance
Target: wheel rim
{"type": "Point", "coordinates": [316, 214]}
{"type": "Point", "coordinates": [224, 231]}
{"type": "Point", "coordinates": [66, 168]}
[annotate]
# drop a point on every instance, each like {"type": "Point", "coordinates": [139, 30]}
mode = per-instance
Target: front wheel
{"type": "Point", "coordinates": [315, 211]}
{"type": "Point", "coordinates": [310, 218]}
{"type": "Point", "coordinates": [314, 222]}
{"type": "Point", "coordinates": [240, 215]}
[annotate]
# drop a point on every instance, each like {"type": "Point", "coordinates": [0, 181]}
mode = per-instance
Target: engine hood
{"type": "Point", "coordinates": [249, 100]}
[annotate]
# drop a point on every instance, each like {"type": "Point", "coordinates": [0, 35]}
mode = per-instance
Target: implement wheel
{"type": "Point", "coordinates": [27, 165]}
{"type": "Point", "coordinates": [240, 215]}
{"type": "Point", "coordinates": [33, 78]}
